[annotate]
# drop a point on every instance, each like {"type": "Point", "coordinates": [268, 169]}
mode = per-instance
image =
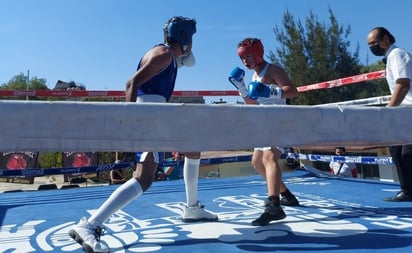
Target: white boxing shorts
{"type": "Point", "coordinates": [282, 150]}
{"type": "Point", "coordinates": [151, 98]}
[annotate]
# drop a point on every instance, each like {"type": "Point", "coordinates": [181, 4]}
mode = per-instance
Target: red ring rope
{"type": "Point", "coordinates": [202, 93]}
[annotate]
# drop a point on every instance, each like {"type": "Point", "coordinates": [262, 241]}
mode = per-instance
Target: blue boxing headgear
{"type": "Point", "coordinates": [174, 28]}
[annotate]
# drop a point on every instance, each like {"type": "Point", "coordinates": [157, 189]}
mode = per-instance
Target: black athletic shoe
{"type": "Point", "coordinates": [400, 197]}
{"type": "Point", "coordinates": [289, 202]}
{"type": "Point", "coordinates": [271, 213]}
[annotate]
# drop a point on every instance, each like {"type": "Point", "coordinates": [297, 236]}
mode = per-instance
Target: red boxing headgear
{"type": "Point", "coordinates": [251, 46]}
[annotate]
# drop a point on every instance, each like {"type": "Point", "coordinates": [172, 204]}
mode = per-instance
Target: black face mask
{"type": "Point", "coordinates": [377, 50]}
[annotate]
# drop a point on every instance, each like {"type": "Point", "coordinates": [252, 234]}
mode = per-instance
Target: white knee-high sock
{"type": "Point", "coordinates": [118, 199]}
{"type": "Point", "coordinates": [191, 178]}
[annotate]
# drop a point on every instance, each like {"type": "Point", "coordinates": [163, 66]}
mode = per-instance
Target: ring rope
{"type": "Point", "coordinates": [206, 161]}
{"type": "Point", "coordinates": [59, 171]}
{"type": "Point", "coordinates": [349, 159]}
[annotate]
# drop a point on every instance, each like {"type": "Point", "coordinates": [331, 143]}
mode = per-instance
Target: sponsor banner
{"type": "Point", "coordinates": [78, 160]}
{"type": "Point", "coordinates": [18, 161]}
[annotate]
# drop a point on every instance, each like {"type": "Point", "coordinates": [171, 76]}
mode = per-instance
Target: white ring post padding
{"type": "Point", "coordinates": [129, 127]}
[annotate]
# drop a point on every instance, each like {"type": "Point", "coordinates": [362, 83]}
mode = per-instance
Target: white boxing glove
{"type": "Point", "coordinates": [186, 60]}
{"type": "Point", "coordinates": [258, 89]}
{"type": "Point", "coordinates": [236, 77]}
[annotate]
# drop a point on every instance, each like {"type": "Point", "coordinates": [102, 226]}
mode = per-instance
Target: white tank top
{"type": "Point", "coordinates": [267, 101]}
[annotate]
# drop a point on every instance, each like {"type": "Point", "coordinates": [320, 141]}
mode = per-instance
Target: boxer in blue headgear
{"type": "Point", "coordinates": [180, 30]}
{"type": "Point", "coordinates": [153, 81]}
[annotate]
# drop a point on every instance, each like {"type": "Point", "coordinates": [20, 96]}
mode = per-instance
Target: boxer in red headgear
{"type": "Point", "coordinates": [270, 85]}
{"type": "Point", "coordinates": [253, 47]}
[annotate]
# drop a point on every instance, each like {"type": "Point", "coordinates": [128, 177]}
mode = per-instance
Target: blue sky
{"type": "Point", "coordinates": [99, 42]}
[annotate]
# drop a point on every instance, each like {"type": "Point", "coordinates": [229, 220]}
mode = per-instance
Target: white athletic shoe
{"type": "Point", "coordinates": [88, 237]}
{"type": "Point", "coordinates": [197, 213]}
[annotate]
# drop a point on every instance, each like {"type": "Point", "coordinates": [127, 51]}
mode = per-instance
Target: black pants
{"type": "Point", "coordinates": [402, 158]}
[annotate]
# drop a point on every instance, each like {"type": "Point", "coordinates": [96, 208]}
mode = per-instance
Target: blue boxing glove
{"type": "Point", "coordinates": [236, 77]}
{"type": "Point", "coordinates": [258, 89]}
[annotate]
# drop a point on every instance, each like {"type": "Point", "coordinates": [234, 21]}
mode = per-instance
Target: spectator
{"type": "Point", "coordinates": [398, 76]}
{"type": "Point", "coordinates": [117, 176]}
{"type": "Point", "coordinates": [176, 171]}
{"type": "Point", "coordinates": [343, 169]}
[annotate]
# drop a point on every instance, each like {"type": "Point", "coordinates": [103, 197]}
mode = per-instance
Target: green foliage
{"type": "Point", "coordinates": [97, 99]}
{"type": "Point", "coordinates": [50, 160]}
{"type": "Point", "coordinates": [19, 82]}
{"type": "Point", "coordinates": [38, 84]}
{"type": "Point", "coordinates": [106, 157]}
{"type": "Point", "coordinates": [378, 87]}
{"type": "Point", "coordinates": [110, 157]}
{"type": "Point", "coordinates": [313, 52]}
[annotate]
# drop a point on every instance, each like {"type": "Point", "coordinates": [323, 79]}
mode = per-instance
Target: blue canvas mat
{"type": "Point", "coordinates": [336, 215]}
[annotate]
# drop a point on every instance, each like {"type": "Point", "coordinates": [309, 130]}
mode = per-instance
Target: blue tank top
{"type": "Point", "coordinates": [161, 84]}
